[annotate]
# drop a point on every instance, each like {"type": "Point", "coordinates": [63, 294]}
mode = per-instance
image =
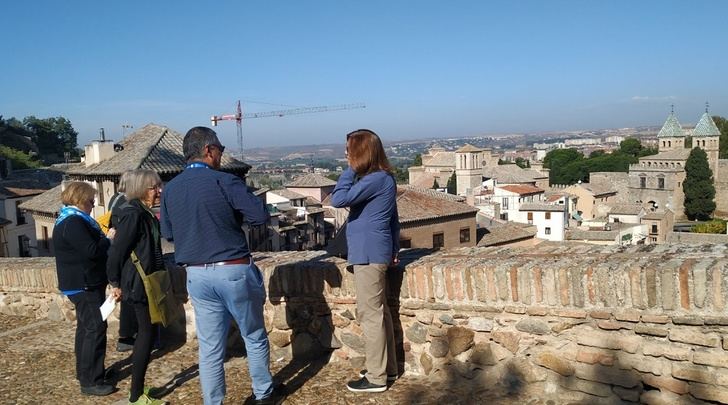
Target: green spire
{"type": "Point", "coordinates": [706, 126]}
{"type": "Point", "coordinates": [671, 128]}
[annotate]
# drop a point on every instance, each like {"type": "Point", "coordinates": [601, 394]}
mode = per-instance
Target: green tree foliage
{"type": "Point", "coordinates": [333, 176]}
{"type": "Point", "coordinates": [15, 136]}
{"type": "Point", "coordinates": [523, 163]}
{"type": "Point", "coordinates": [722, 125]}
{"type": "Point", "coordinates": [452, 184]}
{"type": "Point", "coordinates": [401, 175]}
{"type": "Point", "coordinates": [19, 159]}
{"type": "Point", "coordinates": [564, 166]}
{"type": "Point", "coordinates": [435, 185]}
{"type": "Point", "coordinates": [417, 161]}
{"type": "Point", "coordinates": [714, 226]}
{"type": "Point", "coordinates": [698, 186]}
{"type": "Point", "coordinates": [54, 136]}
{"type": "Point", "coordinates": [633, 147]}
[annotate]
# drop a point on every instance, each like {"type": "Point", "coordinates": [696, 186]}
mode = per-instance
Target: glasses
{"type": "Point", "coordinates": [219, 147]}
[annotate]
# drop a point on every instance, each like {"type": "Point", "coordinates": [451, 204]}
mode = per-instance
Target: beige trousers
{"type": "Point", "coordinates": [376, 321]}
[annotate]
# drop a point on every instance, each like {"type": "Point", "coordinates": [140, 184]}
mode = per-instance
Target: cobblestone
{"type": "Point", "coordinates": [37, 366]}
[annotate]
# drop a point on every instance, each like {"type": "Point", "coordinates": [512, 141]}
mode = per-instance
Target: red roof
{"type": "Point", "coordinates": [522, 189]}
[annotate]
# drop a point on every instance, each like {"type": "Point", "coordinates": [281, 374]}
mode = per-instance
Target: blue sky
{"type": "Point", "coordinates": [423, 68]}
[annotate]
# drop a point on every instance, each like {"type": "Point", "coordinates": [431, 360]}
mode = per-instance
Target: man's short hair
{"type": "Point", "coordinates": [77, 192]}
{"type": "Point", "coordinates": [193, 145]}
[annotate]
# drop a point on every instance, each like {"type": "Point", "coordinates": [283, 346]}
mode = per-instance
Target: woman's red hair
{"type": "Point", "coordinates": [366, 153]}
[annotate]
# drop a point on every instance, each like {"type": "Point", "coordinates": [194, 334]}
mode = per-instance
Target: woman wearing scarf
{"type": "Point", "coordinates": [137, 231]}
{"type": "Point", "coordinates": [80, 249]}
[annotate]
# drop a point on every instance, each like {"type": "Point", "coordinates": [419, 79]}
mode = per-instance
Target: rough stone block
{"type": "Point", "coordinates": [600, 314]}
{"type": "Point", "coordinates": [507, 339]}
{"type": "Point", "coordinates": [589, 387]}
{"type": "Point", "coordinates": [667, 350]}
{"type": "Point", "coordinates": [439, 347]}
{"type": "Point", "coordinates": [716, 320]}
{"type": "Point", "coordinates": [609, 340]}
{"type": "Point", "coordinates": [613, 325]}
{"type": "Point", "coordinates": [650, 330]}
{"type": "Point", "coordinates": [708, 357]}
{"type": "Point", "coordinates": [483, 355]}
{"type": "Point", "coordinates": [554, 362]}
{"type": "Point", "coordinates": [460, 339]}
{"type": "Point", "coordinates": [650, 318]}
{"type": "Point", "coordinates": [665, 382]}
{"type": "Point", "coordinates": [701, 374]}
{"type": "Point", "coordinates": [480, 324]}
{"type": "Point", "coordinates": [566, 325]}
{"type": "Point", "coordinates": [687, 320]}
{"type": "Point", "coordinates": [630, 395]}
{"type": "Point", "coordinates": [667, 285]}
{"type": "Point", "coordinates": [280, 338]}
{"type": "Point", "coordinates": [571, 313]}
{"type": "Point", "coordinates": [654, 397]}
{"type": "Point", "coordinates": [417, 333]}
{"type": "Point", "coordinates": [537, 311]}
{"type": "Point", "coordinates": [627, 316]}
{"type": "Point", "coordinates": [700, 277]}
{"type": "Point", "coordinates": [709, 392]}
{"type": "Point", "coordinates": [533, 326]}
{"type": "Point", "coordinates": [527, 370]}
{"type": "Point", "coordinates": [695, 337]}
{"type": "Point", "coordinates": [607, 375]}
{"type": "Point", "coordinates": [424, 317]}
{"type": "Point", "coordinates": [515, 309]}
{"type": "Point", "coordinates": [652, 365]}
{"type": "Point", "coordinates": [594, 356]}
{"type": "Point", "coordinates": [355, 342]}
{"type": "Point", "coordinates": [426, 363]}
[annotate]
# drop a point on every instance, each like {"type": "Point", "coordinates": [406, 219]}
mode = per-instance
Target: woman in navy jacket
{"type": "Point", "coordinates": [368, 188]}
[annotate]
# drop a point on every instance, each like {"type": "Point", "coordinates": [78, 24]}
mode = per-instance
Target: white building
{"type": "Point", "coordinates": [551, 220]}
{"type": "Point", "coordinates": [510, 198]}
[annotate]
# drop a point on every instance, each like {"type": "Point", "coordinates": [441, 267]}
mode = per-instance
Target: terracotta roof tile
{"type": "Point", "coordinates": [313, 180]}
{"type": "Point", "coordinates": [508, 232]}
{"type": "Point", "coordinates": [522, 189]}
{"type": "Point", "coordinates": [415, 204]}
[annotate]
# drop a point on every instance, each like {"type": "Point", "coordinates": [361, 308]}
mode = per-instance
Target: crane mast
{"type": "Point", "coordinates": [238, 117]}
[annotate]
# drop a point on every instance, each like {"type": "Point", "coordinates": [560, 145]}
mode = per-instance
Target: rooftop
{"type": "Point", "coordinates": [671, 128]}
{"type": "Point", "coordinates": [626, 209]}
{"type": "Point", "coordinates": [522, 189]}
{"type": "Point", "coordinates": [311, 180]}
{"type": "Point", "coordinates": [706, 127]}
{"type": "Point", "coordinates": [542, 207]}
{"type": "Point", "coordinates": [506, 233]}
{"type": "Point", "coordinates": [416, 204]}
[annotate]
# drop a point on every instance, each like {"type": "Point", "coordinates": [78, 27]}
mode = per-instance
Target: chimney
{"type": "Point", "coordinates": [99, 150]}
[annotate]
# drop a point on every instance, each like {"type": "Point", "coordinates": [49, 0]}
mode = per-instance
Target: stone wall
{"type": "Point", "coordinates": [721, 189]}
{"type": "Point", "coordinates": [578, 323]}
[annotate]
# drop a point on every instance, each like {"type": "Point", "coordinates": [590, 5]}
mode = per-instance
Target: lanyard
{"type": "Point", "coordinates": [197, 165]}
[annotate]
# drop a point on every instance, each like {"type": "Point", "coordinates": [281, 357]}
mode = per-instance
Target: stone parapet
{"type": "Point", "coordinates": [589, 324]}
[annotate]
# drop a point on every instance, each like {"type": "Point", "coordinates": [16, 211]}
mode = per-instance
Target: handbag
{"type": "Point", "coordinates": [163, 308]}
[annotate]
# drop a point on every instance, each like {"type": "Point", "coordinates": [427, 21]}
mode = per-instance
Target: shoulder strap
{"type": "Point", "coordinates": [138, 265]}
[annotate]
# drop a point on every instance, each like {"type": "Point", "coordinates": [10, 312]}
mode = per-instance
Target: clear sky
{"type": "Point", "coordinates": [423, 68]}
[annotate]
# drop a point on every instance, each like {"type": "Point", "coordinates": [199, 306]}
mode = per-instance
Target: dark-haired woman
{"type": "Point", "coordinates": [368, 188]}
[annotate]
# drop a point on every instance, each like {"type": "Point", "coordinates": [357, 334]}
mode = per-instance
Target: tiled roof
{"type": "Point", "coordinates": [285, 193]}
{"type": "Point", "coordinates": [511, 174]}
{"type": "Point", "coordinates": [469, 148]}
{"type": "Point", "coordinates": [508, 232]}
{"type": "Point", "coordinates": [311, 180]}
{"type": "Point", "coordinates": [578, 234]}
{"type": "Point", "coordinates": [706, 127]}
{"type": "Point", "coordinates": [600, 188]}
{"type": "Point", "coordinates": [522, 189]}
{"type": "Point", "coordinates": [311, 201]}
{"type": "Point", "coordinates": [626, 209]}
{"type": "Point", "coordinates": [47, 203]}
{"type": "Point", "coordinates": [671, 128]}
{"type": "Point", "coordinates": [657, 215]}
{"type": "Point", "coordinates": [415, 204]}
{"type": "Point", "coordinates": [424, 180]}
{"type": "Point", "coordinates": [675, 154]}
{"type": "Point", "coordinates": [444, 158]}
{"type": "Point", "coordinates": [541, 207]}
{"type": "Point", "coordinates": [153, 147]}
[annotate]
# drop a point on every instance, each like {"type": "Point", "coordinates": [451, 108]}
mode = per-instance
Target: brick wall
{"type": "Point", "coordinates": [579, 323]}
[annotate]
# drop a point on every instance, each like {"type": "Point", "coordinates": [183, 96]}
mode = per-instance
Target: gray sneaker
{"type": "Point", "coordinates": [390, 377]}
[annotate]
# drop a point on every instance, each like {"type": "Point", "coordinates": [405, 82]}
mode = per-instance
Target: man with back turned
{"type": "Point", "coordinates": [202, 212]}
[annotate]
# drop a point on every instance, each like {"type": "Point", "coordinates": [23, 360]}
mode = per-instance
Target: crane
{"type": "Point", "coordinates": [238, 117]}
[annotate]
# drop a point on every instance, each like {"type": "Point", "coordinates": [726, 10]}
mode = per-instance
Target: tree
{"type": "Point", "coordinates": [54, 137]}
{"type": "Point", "coordinates": [631, 146]}
{"type": "Point", "coordinates": [523, 163]}
{"type": "Point", "coordinates": [19, 159]}
{"type": "Point", "coordinates": [698, 186]}
{"type": "Point", "coordinates": [417, 161]}
{"type": "Point", "coordinates": [435, 186]}
{"type": "Point", "coordinates": [565, 166]}
{"type": "Point", "coordinates": [452, 184]}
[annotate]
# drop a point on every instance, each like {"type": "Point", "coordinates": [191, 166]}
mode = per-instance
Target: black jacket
{"type": "Point", "coordinates": [137, 230]}
{"type": "Point", "coordinates": [117, 200]}
{"type": "Point", "coordinates": [80, 255]}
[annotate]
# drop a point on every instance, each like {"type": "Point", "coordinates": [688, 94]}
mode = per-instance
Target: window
{"type": "Point", "coordinates": [660, 182]}
{"type": "Point", "coordinates": [547, 231]}
{"type": "Point", "coordinates": [530, 217]}
{"type": "Point", "coordinates": [23, 246]}
{"type": "Point", "coordinates": [19, 216]}
{"type": "Point", "coordinates": [438, 240]}
{"type": "Point", "coordinates": [505, 203]}
{"type": "Point", "coordinates": [405, 243]}
{"type": "Point", "coordinates": [504, 216]}
{"type": "Point", "coordinates": [654, 228]}
{"type": "Point", "coordinates": [643, 181]}
{"type": "Point", "coordinates": [464, 235]}
{"type": "Point", "coordinates": [44, 242]}
{"type": "Point", "coordinates": [548, 215]}
{"type": "Point", "coordinates": [616, 220]}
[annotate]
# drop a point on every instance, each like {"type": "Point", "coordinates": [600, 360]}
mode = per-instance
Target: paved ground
{"type": "Point", "coordinates": [37, 366]}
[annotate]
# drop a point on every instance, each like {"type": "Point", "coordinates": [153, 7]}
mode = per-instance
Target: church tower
{"type": "Point", "coordinates": [468, 168]}
{"type": "Point", "coordinates": [671, 136]}
{"type": "Point", "coordinates": [706, 136]}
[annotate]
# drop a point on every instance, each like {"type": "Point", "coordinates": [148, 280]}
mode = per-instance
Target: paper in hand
{"type": "Point", "coordinates": [107, 307]}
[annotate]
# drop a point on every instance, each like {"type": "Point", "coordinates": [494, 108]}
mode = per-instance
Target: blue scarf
{"type": "Point", "coordinates": [68, 210]}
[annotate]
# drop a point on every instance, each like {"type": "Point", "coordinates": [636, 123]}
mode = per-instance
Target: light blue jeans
{"type": "Point", "coordinates": [220, 293]}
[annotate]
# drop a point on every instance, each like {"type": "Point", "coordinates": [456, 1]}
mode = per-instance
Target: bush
{"type": "Point", "coordinates": [19, 159]}
{"type": "Point", "coordinates": [714, 226]}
